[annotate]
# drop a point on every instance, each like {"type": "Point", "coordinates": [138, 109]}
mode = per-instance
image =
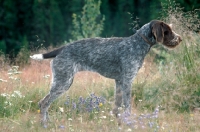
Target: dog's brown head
{"type": "Point", "coordinates": [163, 34]}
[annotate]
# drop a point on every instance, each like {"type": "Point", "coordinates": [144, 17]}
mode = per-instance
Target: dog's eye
{"type": "Point", "coordinates": [166, 33]}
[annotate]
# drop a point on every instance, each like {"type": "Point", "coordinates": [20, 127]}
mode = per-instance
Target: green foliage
{"type": "Point", "coordinates": [3, 111]}
{"type": "Point", "coordinates": [48, 22]}
{"type": "Point", "coordinates": [187, 4]}
{"type": "Point", "coordinates": [109, 93]}
{"type": "Point", "coordinates": [117, 17]}
{"type": "Point", "coordinates": [2, 47]}
{"type": "Point", "coordinates": [52, 22]}
{"type": "Point", "coordinates": [15, 103]}
{"type": "Point", "coordinates": [173, 12]}
{"type": "Point", "coordinates": [137, 92]}
{"type": "Point", "coordinates": [23, 55]}
{"type": "Point", "coordinates": [186, 64]}
{"type": "Point", "coordinates": [90, 23]}
{"type": "Point", "coordinates": [189, 77]}
{"type": "Point", "coordinates": [178, 87]}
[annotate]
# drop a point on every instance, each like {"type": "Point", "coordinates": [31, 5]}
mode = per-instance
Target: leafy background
{"type": "Point", "coordinates": [32, 23]}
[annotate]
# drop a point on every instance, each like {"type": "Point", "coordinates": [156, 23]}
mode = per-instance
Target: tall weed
{"type": "Point", "coordinates": [178, 88]}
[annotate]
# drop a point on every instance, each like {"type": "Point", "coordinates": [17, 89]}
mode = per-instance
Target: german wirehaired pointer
{"type": "Point", "coordinates": [117, 58]}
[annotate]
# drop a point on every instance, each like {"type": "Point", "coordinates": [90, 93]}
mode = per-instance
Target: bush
{"type": "Point", "coordinates": [89, 23]}
{"type": "Point", "coordinates": [178, 85]}
{"type": "Point", "coordinates": [24, 53]}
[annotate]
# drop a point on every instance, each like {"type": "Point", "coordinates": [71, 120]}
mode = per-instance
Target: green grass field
{"type": "Point", "coordinates": [22, 88]}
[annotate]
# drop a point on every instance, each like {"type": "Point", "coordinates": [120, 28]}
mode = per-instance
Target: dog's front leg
{"type": "Point", "coordinates": [122, 98]}
{"type": "Point", "coordinates": [126, 95]}
{"type": "Point", "coordinates": [118, 97]}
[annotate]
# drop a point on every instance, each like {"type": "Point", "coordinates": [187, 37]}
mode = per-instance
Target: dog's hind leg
{"type": "Point", "coordinates": [62, 79]}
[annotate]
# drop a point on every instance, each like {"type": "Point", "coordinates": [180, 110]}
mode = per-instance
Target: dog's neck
{"type": "Point", "coordinates": [146, 34]}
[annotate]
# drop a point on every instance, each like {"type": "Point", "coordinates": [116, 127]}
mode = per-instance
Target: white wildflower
{"type": "Point", "coordinates": [15, 67]}
{"type": "Point", "coordinates": [12, 95]}
{"type": "Point", "coordinates": [61, 109]}
{"type": "Point", "coordinates": [135, 126]}
{"type": "Point", "coordinates": [129, 130]}
{"type": "Point", "coordinates": [1, 80]}
{"type": "Point", "coordinates": [46, 76]}
{"type": "Point", "coordinates": [18, 93]}
{"type": "Point", "coordinates": [111, 113]}
{"type": "Point", "coordinates": [10, 73]}
{"type": "Point", "coordinates": [70, 119]}
{"type": "Point", "coordinates": [7, 103]}
{"type": "Point", "coordinates": [103, 117]}
{"type": "Point", "coordinates": [120, 108]}
{"type": "Point", "coordinates": [118, 115]}
{"type": "Point", "coordinates": [13, 78]}
{"type": "Point", "coordinates": [4, 94]}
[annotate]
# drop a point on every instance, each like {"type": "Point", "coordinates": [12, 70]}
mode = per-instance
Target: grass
{"type": "Point", "coordinates": [27, 85]}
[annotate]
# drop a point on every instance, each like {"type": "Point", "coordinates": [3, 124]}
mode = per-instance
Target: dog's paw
{"type": "Point", "coordinates": [37, 57]}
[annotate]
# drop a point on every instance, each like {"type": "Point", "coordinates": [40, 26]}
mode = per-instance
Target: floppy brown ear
{"type": "Point", "coordinates": [157, 30]}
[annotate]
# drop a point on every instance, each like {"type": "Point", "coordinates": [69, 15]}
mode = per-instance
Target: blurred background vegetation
{"type": "Point", "coordinates": [28, 24]}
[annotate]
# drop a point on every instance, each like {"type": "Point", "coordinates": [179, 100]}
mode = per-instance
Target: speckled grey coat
{"type": "Point", "coordinates": [116, 58]}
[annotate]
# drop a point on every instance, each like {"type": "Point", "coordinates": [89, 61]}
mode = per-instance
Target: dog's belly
{"type": "Point", "coordinates": [109, 73]}
{"type": "Point", "coordinates": [112, 71]}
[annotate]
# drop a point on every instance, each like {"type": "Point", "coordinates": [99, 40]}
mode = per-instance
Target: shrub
{"type": "Point", "coordinates": [185, 59]}
{"type": "Point", "coordinates": [178, 85]}
{"type": "Point", "coordinates": [89, 23]}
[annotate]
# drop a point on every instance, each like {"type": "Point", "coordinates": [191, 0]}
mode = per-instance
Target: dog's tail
{"type": "Point", "coordinates": [51, 54]}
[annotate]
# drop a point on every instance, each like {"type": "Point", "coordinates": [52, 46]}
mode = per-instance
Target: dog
{"type": "Point", "coordinates": [118, 58]}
